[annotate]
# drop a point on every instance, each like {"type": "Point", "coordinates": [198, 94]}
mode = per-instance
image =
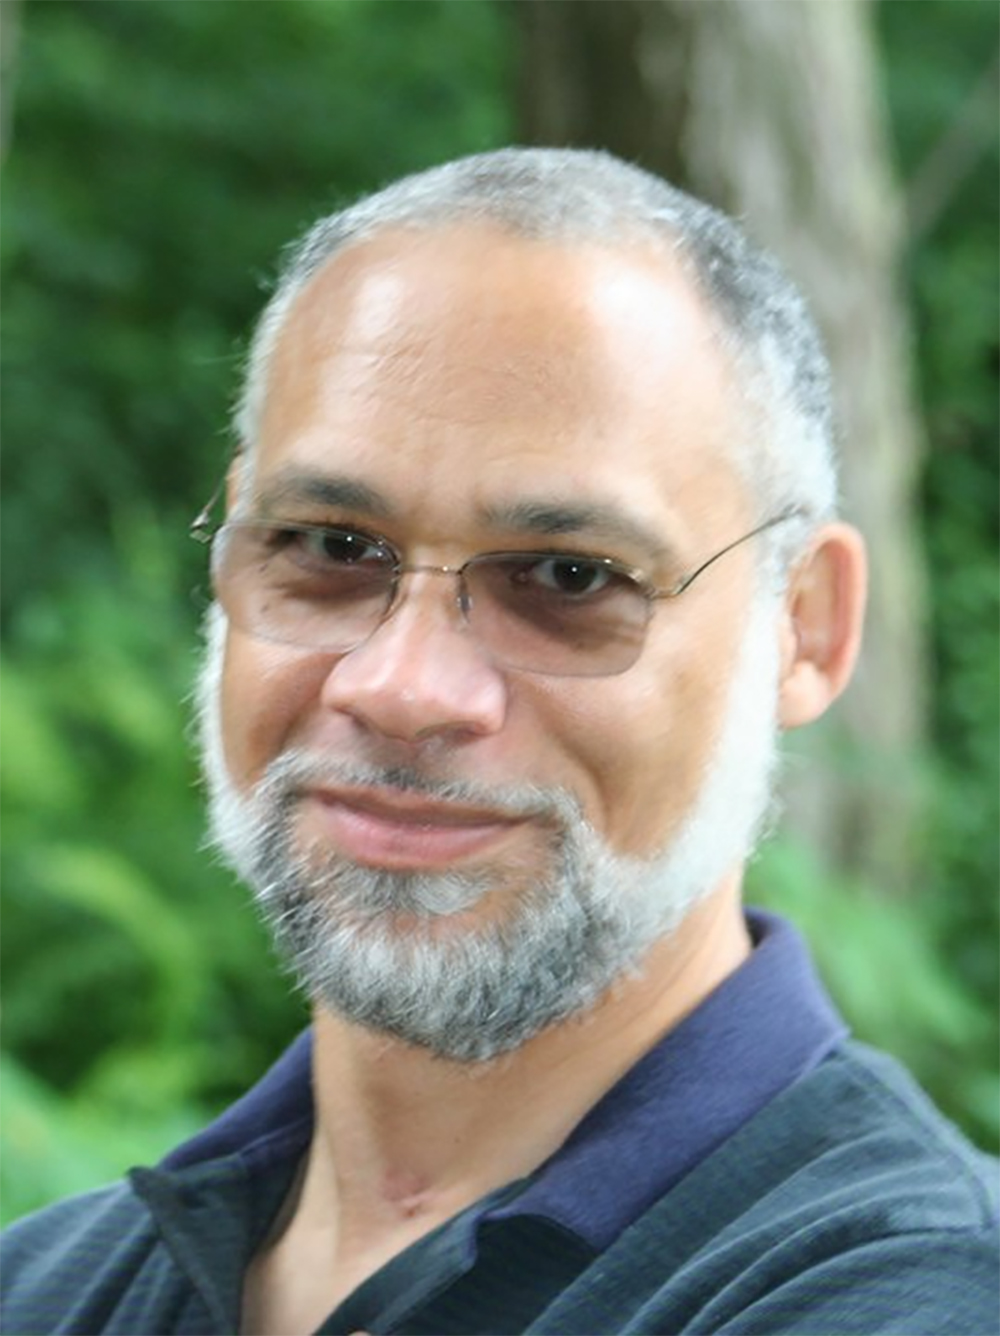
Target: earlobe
{"type": "Point", "coordinates": [823, 616]}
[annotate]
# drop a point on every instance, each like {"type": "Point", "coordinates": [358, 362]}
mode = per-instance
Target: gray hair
{"type": "Point", "coordinates": [570, 195]}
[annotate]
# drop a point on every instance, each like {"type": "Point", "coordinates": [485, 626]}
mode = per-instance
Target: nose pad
{"type": "Point", "coordinates": [420, 673]}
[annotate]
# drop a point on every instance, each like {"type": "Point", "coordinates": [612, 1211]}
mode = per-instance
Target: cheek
{"type": "Point", "coordinates": [264, 690]}
{"type": "Point", "coordinates": [642, 749]}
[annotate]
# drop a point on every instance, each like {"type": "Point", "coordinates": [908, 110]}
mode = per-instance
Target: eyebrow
{"type": "Point", "coordinates": [289, 487]}
{"type": "Point", "coordinates": [597, 519]}
{"type": "Point", "coordinates": [549, 517]}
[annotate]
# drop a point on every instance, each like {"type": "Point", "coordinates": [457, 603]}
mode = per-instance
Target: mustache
{"type": "Point", "coordinates": [367, 895]}
{"type": "Point", "coordinates": [297, 769]}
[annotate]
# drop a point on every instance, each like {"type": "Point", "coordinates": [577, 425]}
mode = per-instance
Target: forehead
{"type": "Point", "coordinates": [466, 356]}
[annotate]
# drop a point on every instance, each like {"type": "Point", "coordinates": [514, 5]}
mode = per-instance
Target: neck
{"type": "Point", "coordinates": [404, 1140]}
{"type": "Point", "coordinates": [404, 1136]}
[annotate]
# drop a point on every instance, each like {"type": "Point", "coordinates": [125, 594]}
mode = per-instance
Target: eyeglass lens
{"type": "Point", "coordinates": [329, 590]}
{"type": "Point", "coordinates": [556, 616]}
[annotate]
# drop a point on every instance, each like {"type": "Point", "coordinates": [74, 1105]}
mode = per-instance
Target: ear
{"type": "Point", "coordinates": [821, 628]}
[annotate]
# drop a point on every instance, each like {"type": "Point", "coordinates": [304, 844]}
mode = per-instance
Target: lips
{"type": "Point", "coordinates": [405, 831]}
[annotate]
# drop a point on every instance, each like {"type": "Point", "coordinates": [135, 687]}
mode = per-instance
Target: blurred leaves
{"type": "Point", "coordinates": [162, 155]}
{"type": "Point", "coordinates": [54, 1145]}
{"type": "Point", "coordinates": [940, 70]}
{"type": "Point", "coordinates": [138, 987]}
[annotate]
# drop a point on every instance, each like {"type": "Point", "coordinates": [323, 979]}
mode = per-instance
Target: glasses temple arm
{"type": "Point", "coordinates": [686, 580]}
{"type": "Point", "coordinates": [202, 529]}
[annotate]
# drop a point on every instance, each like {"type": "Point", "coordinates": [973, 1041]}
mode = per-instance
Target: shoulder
{"type": "Point", "coordinates": [847, 1207]}
{"type": "Point", "coordinates": [856, 1148]}
{"type": "Point", "coordinates": [861, 1123]}
{"type": "Point", "coordinates": [69, 1262]}
{"type": "Point", "coordinates": [75, 1228]}
{"type": "Point", "coordinates": [873, 1214]}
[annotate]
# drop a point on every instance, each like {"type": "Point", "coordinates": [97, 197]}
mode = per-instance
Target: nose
{"type": "Point", "coordinates": [420, 674]}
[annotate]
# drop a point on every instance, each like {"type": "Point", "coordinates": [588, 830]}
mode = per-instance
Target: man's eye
{"type": "Point", "coordinates": [575, 577]}
{"type": "Point", "coordinates": [338, 547]}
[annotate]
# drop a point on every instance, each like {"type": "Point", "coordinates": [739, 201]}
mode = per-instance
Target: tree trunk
{"type": "Point", "coordinates": [771, 110]}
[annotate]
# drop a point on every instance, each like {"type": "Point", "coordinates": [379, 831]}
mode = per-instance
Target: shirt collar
{"type": "Point", "coordinates": [769, 1023]}
{"type": "Point", "coordinates": [765, 1026]}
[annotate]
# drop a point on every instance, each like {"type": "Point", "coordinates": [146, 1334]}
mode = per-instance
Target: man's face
{"type": "Point", "coordinates": [459, 392]}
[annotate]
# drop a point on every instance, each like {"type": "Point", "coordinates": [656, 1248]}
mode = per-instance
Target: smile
{"type": "Point", "coordinates": [402, 831]}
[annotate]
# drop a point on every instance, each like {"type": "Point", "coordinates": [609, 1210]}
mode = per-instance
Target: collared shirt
{"type": "Point", "coordinates": [765, 1026]}
{"type": "Point", "coordinates": [753, 1173]}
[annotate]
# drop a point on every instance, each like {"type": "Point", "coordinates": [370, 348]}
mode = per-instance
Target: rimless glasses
{"type": "Point", "coordinates": [329, 588]}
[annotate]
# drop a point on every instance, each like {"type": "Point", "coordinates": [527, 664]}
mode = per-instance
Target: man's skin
{"type": "Point", "coordinates": [457, 374]}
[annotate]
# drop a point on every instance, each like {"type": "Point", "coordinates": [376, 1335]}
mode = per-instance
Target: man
{"type": "Point", "coordinates": [529, 555]}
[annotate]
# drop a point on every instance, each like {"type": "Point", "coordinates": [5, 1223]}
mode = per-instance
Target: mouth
{"type": "Point", "coordinates": [401, 831]}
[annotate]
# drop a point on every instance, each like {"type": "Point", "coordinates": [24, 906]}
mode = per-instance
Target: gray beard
{"type": "Point", "coordinates": [374, 946]}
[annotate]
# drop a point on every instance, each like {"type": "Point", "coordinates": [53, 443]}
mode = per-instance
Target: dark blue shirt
{"type": "Point", "coordinates": [766, 1025]}
{"type": "Point", "coordinates": [753, 1172]}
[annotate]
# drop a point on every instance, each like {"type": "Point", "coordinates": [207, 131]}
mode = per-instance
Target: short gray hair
{"type": "Point", "coordinates": [575, 195]}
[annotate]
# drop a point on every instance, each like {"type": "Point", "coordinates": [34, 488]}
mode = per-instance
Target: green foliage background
{"type": "Point", "coordinates": [162, 153]}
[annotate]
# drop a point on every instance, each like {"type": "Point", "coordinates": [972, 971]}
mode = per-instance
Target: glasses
{"type": "Point", "coordinates": [328, 588]}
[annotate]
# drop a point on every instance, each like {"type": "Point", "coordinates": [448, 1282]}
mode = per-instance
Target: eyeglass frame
{"type": "Point", "coordinates": [203, 531]}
